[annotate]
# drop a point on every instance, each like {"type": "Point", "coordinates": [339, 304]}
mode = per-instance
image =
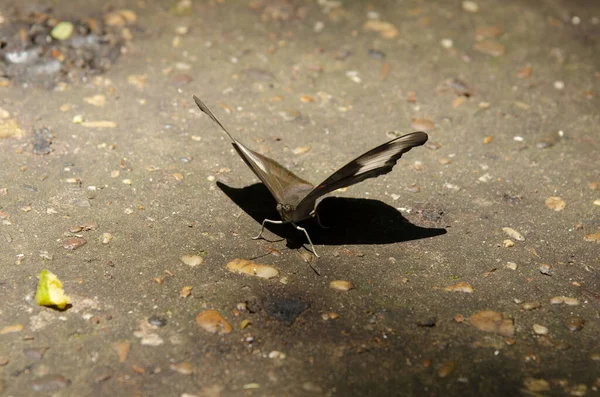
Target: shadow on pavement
{"type": "Point", "coordinates": [349, 220]}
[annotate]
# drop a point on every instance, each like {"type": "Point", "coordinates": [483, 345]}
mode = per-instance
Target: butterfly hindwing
{"type": "Point", "coordinates": [375, 162]}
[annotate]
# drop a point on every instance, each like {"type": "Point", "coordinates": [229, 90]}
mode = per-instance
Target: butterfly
{"type": "Point", "coordinates": [297, 198]}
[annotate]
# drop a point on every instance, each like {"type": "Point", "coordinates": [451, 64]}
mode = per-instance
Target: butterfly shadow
{"type": "Point", "coordinates": [348, 220]}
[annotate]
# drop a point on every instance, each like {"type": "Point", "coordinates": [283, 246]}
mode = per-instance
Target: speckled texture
{"type": "Point", "coordinates": [289, 75]}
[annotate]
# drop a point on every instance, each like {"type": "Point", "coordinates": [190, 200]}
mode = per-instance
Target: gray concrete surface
{"type": "Point", "coordinates": [312, 85]}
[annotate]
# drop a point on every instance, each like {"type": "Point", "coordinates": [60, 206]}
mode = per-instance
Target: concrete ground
{"type": "Point", "coordinates": [474, 265]}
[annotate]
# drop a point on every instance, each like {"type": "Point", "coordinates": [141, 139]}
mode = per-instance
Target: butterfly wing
{"type": "Point", "coordinates": [284, 185]}
{"type": "Point", "coordinates": [375, 162]}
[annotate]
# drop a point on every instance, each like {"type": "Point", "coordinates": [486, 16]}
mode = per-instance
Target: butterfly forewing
{"type": "Point", "coordinates": [375, 162]}
{"type": "Point", "coordinates": [285, 186]}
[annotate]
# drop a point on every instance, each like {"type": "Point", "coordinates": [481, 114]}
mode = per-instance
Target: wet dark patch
{"type": "Point", "coordinates": [29, 53]}
{"type": "Point", "coordinates": [42, 139]}
{"type": "Point", "coordinates": [286, 310]}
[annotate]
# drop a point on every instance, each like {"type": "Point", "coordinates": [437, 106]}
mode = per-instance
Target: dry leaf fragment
{"type": "Point", "coordinates": [592, 237]}
{"type": "Point", "coordinates": [211, 321]}
{"type": "Point", "coordinates": [462, 286]}
{"type": "Point", "coordinates": [525, 72]}
{"type": "Point", "coordinates": [122, 349]}
{"type": "Point", "coordinates": [9, 329]}
{"type": "Point", "coordinates": [341, 285]}
{"type": "Point", "coordinates": [185, 291]}
{"type": "Point", "coordinates": [243, 266]}
{"type": "Point", "coordinates": [385, 29]}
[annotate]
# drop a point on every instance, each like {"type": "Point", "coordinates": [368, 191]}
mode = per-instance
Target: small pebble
{"type": "Point", "coordinates": [425, 125]}
{"type": "Point", "coordinates": [557, 300]}
{"type": "Point", "coordinates": [74, 243]}
{"type": "Point", "coordinates": [89, 226]}
{"type": "Point", "coordinates": [75, 229]}
{"type": "Point", "coordinates": [470, 6]}
{"type": "Point", "coordinates": [289, 115]}
{"type": "Point", "coordinates": [546, 269]}
{"type": "Point", "coordinates": [446, 368]}
{"type": "Point", "coordinates": [540, 329]}
{"type": "Point", "coordinates": [106, 238]}
{"type": "Point", "coordinates": [276, 354]}
{"type": "Point", "coordinates": [185, 291]}
{"type": "Point", "coordinates": [184, 368]}
{"type": "Point", "coordinates": [559, 85]}
{"type": "Point", "coordinates": [508, 243]}
{"type": "Point", "coordinates": [354, 75]}
{"type": "Point", "coordinates": [531, 305]}
{"type": "Point", "coordinates": [491, 321]}
{"type": "Point", "coordinates": [318, 28]}
{"type": "Point", "coordinates": [96, 100]}
{"type": "Point", "coordinates": [330, 316]}
{"type": "Point", "coordinates": [462, 286]}
{"type": "Point", "coordinates": [536, 384]}
{"type": "Point", "coordinates": [447, 43]}
{"type": "Point", "coordinates": [157, 321]}
{"type": "Point", "coordinates": [341, 285]}
{"type": "Point", "coordinates": [578, 390]}
{"type": "Point", "coordinates": [376, 54]}
{"type": "Point", "coordinates": [511, 265]}
{"type": "Point", "coordinates": [555, 203]}
{"type": "Point", "coordinates": [192, 260]}
{"type": "Point", "coordinates": [35, 353]}
{"type": "Point", "coordinates": [574, 323]}
{"type": "Point", "coordinates": [50, 383]}
{"type": "Point", "coordinates": [301, 150]}
{"type": "Point", "coordinates": [512, 233]}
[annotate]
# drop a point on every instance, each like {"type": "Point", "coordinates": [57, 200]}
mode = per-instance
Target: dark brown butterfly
{"type": "Point", "coordinates": [297, 198]}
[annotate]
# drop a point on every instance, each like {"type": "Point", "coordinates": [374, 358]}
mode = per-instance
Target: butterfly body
{"type": "Point", "coordinates": [297, 198]}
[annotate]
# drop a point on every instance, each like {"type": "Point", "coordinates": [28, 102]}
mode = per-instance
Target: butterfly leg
{"type": "Point", "coordinates": [262, 229]}
{"type": "Point", "coordinates": [319, 221]}
{"type": "Point", "coordinates": [308, 237]}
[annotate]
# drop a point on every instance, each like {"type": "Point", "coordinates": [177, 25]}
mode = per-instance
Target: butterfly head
{"type": "Point", "coordinates": [287, 212]}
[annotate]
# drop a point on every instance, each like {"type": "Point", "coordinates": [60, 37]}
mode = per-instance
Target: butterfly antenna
{"type": "Point", "coordinates": [207, 111]}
